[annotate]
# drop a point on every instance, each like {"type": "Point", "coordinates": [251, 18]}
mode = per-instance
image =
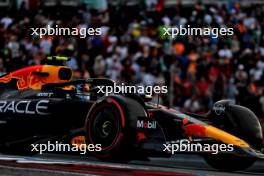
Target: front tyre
{"type": "Point", "coordinates": [111, 123]}
{"type": "Point", "coordinates": [229, 162]}
{"type": "Point", "coordinates": [241, 122]}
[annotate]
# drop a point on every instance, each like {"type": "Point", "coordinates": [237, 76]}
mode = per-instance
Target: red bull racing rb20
{"type": "Point", "coordinates": [40, 104]}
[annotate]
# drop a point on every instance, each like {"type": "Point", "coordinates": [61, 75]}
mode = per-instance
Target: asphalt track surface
{"type": "Point", "coordinates": [75, 165]}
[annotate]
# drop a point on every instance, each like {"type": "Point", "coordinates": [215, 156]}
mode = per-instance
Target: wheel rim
{"type": "Point", "coordinates": [105, 126]}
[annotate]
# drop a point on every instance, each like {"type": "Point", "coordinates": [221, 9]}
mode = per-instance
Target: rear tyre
{"type": "Point", "coordinates": [22, 149]}
{"type": "Point", "coordinates": [111, 122]}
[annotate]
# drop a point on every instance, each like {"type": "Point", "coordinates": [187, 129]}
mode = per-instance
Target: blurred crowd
{"type": "Point", "coordinates": [198, 70]}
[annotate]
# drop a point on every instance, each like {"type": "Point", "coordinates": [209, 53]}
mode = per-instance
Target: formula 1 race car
{"type": "Point", "coordinates": [42, 103]}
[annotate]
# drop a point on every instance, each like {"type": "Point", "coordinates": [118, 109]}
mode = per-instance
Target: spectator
{"type": "Point", "coordinates": [201, 69]}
